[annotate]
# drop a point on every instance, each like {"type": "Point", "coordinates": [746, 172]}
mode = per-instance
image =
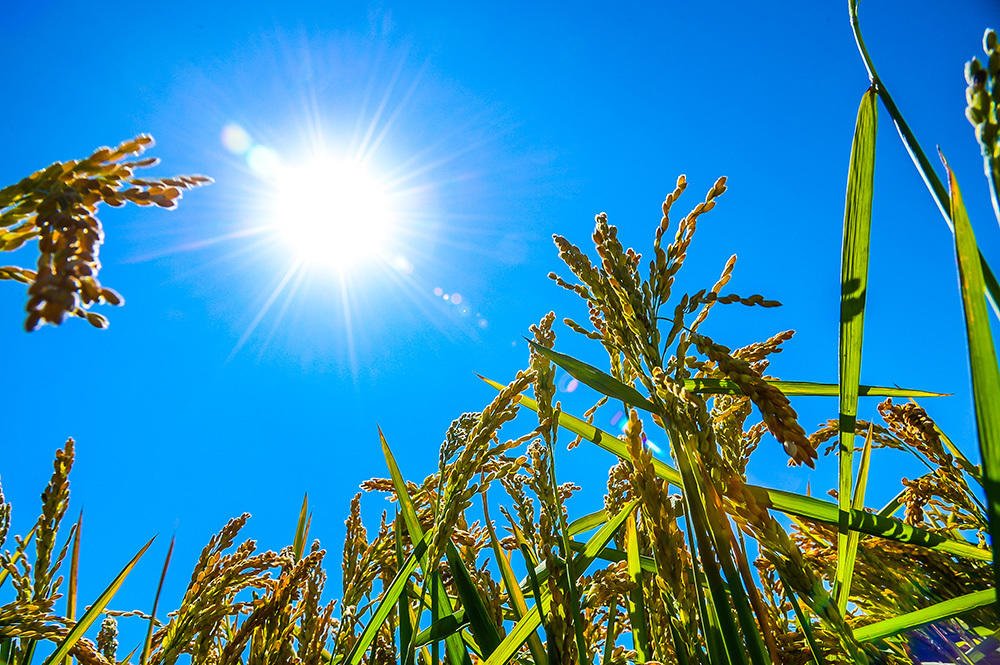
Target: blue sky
{"type": "Point", "coordinates": [505, 124]}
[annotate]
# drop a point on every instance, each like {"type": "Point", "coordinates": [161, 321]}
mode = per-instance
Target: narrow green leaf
{"type": "Point", "coordinates": [805, 625]}
{"type": "Point", "coordinates": [455, 647]}
{"type": "Point", "coordinates": [853, 293]}
{"type": "Point", "coordinates": [518, 604]}
{"type": "Point", "coordinates": [588, 522]}
{"type": "Point", "coordinates": [482, 625]}
{"type": "Point", "coordinates": [803, 389]}
{"type": "Point", "coordinates": [982, 362]}
{"type": "Point", "coordinates": [407, 649]}
{"type": "Point", "coordinates": [301, 529]}
{"type": "Point", "coordinates": [936, 612]}
{"type": "Point", "coordinates": [95, 610]}
{"type": "Point", "coordinates": [444, 627]}
{"type": "Point", "coordinates": [612, 387]}
{"type": "Point", "coordinates": [529, 622]}
{"type": "Point", "coordinates": [636, 603]}
{"type": "Point", "coordinates": [74, 575]}
{"type": "Point", "coordinates": [610, 627]}
{"type": "Point", "coordinates": [842, 587]}
{"type": "Point", "coordinates": [147, 645]}
{"type": "Point", "coordinates": [919, 157]}
{"type": "Point", "coordinates": [386, 603]}
{"type": "Point", "coordinates": [786, 502]}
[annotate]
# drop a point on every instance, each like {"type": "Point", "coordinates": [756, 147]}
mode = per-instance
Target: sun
{"type": "Point", "coordinates": [333, 213]}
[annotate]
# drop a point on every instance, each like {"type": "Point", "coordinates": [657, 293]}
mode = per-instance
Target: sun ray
{"type": "Point", "coordinates": [289, 274]}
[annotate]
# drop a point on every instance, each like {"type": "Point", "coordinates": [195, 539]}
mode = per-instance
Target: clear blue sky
{"type": "Point", "coordinates": [510, 123]}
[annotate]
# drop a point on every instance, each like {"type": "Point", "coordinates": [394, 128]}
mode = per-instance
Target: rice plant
{"type": "Point", "coordinates": [687, 562]}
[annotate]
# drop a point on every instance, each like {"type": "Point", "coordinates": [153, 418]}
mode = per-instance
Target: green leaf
{"type": "Point", "coordinates": [147, 645]}
{"type": "Point", "coordinates": [802, 389]}
{"type": "Point", "coordinates": [805, 626]}
{"type": "Point", "coordinates": [406, 647]}
{"type": "Point", "coordinates": [518, 603]}
{"type": "Point", "coordinates": [785, 502]}
{"type": "Point", "coordinates": [936, 612]}
{"type": "Point", "coordinates": [301, 529]}
{"type": "Point", "coordinates": [529, 622]}
{"type": "Point", "coordinates": [595, 378]}
{"type": "Point", "coordinates": [386, 603]}
{"type": "Point", "coordinates": [842, 587]}
{"type": "Point", "coordinates": [636, 603]}
{"type": "Point", "coordinates": [610, 627]}
{"type": "Point", "coordinates": [95, 610]}
{"type": "Point", "coordinates": [853, 293]}
{"type": "Point", "coordinates": [982, 362]}
{"type": "Point", "coordinates": [588, 522]}
{"type": "Point", "coordinates": [482, 625]}
{"type": "Point", "coordinates": [612, 387]}
{"type": "Point", "coordinates": [74, 575]}
{"type": "Point", "coordinates": [455, 647]}
{"type": "Point", "coordinates": [991, 288]}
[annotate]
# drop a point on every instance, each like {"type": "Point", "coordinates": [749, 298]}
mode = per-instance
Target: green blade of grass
{"type": "Point", "coordinates": [612, 387]}
{"type": "Point", "coordinates": [518, 604]}
{"type": "Point", "coordinates": [386, 603]}
{"type": "Point", "coordinates": [610, 627]}
{"type": "Point", "coordinates": [842, 587]}
{"type": "Point", "coordinates": [147, 645]}
{"type": "Point", "coordinates": [982, 362]}
{"type": "Point", "coordinates": [482, 625]}
{"type": "Point", "coordinates": [406, 648]}
{"type": "Point", "coordinates": [301, 529]}
{"type": "Point", "coordinates": [441, 629]}
{"type": "Point", "coordinates": [991, 288]}
{"type": "Point", "coordinates": [530, 622]}
{"type": "Point", "coordinates": [853, 293]}
{"type": "Point", "coordinates": [800, 615]}
{"type": "Point", "coordinates": [454, 646]}
{"type": "Point", "coordinates": [636, 602]}
{"type": "Point", "coordinates": [786, 502]}
{"type": "Point", "coordinates": [74, 575]}
{"type": "Point", "coordinates": [94, 611]}
{"type": "Point", "coordinates": [922, 617]}
{"type": "Point", "coordinates": [803, 389]}
{"type": "Point", "coordinates": [587, 522]}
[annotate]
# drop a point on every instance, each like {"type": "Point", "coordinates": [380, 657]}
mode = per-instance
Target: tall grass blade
{"type": "Point", "coordinates": [789, 503]}
{"type": "Point", "coordinates": [842, 587]}
{"type": "Point", "coordinates": [612, 387]}
{"type": "Point", "coordinates": [518, 604]}
{"type": "Point", "coordinates": [530, 622]}
{"type": "Point", "coordinates": [853, 293]}
{"type": "Point", "coordinates": [982, 362]}
{"type": "Point", "coordinates": [94, 611]}
{"type": "Point", "coordinates": [387, 603]}
{"type": "Point", "coordinates": [610, 628]}
{"type": "Point", "coordinates": [991, 288]}
{"type": "Point", "coordinates": [407, 649]}
{"type": "Point", "coordinates": [74, 574]}
{"type": "Point", "coordinates": [147, 645]}
{"type": "Point", "coordinates": [484, 629]}
{"type": "Point", "coordinates": [805, 625]}
{"type": "Point", "coordinates": [301, 529]}
{"type": "Point", "coordinates": [636, 603]}
{"type": "Point", "coordinates": [455, 647]}
{"type": "Point", "coordinates": [936, 612]}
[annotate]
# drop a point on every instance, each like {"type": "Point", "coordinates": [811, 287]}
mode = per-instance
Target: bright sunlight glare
{"type": "Point", "coordinates": [333, 213]}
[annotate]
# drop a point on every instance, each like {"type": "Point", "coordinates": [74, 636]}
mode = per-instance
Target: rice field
{"type": "Point", "coordinates": [480, 562]}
